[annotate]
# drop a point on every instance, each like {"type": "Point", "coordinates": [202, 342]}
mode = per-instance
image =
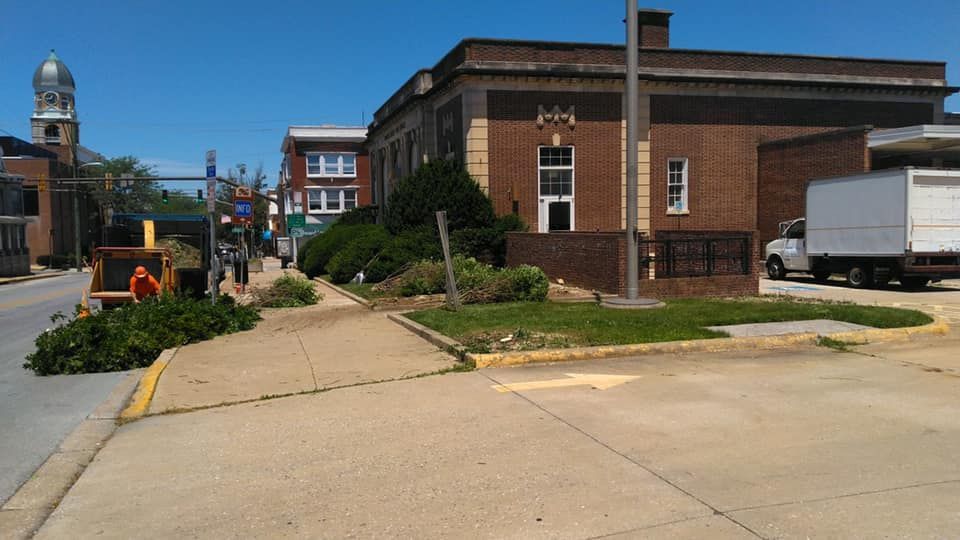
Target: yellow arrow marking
{"type": "Point", "coordinates": [596, 380]}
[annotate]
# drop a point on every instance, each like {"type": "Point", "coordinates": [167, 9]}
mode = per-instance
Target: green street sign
{"type": "Point", "coordinates": [296, 221]}
{"type": "Point", "coordinates": [237, 230]}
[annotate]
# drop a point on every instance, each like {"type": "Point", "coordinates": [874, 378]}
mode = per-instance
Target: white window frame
{"type": "Point", "coordinates": [325, 194]}
{"type": "Point", "coordinates": [684, 182]}
{"type": "Point", "coordinates": [543, 213]}
{"type": "Point", "coordinates": [322, 160]}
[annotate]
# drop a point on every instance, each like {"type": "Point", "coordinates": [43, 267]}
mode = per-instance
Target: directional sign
{"type": "Point", "coordinates": [596, 380]}
{"type": "Point", "coordinates": [243, 192]}
{"type": "Point", "coordinates": [211, 181]}
{"type": "Point", "coordinates": [242, 208]}
{"type": "Point", "coordinates": [296, 233]}
{"type": "Point", "coordinates": [296, 220]}
{"type": "Point", "coordinates": [211, 163]}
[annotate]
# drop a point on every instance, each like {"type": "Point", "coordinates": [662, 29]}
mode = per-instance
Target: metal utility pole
{"type": "Point", "coordinates": [631, 90]}
{"type": "Point", "coordinates": [631, 300]}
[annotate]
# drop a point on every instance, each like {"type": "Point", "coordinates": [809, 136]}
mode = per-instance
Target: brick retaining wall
{"type": "Point", "coordinates": [596, 261]}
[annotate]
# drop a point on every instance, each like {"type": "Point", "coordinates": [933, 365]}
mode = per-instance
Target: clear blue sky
{"type": "Point", "coordinates": [165, 81]}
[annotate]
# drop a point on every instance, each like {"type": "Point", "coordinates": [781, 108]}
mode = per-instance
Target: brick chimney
{"type": "Point", "coordinates": [654, 25]}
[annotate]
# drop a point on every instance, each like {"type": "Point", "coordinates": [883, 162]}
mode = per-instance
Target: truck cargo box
{"type": "Point", "coordinates": [888, 213]}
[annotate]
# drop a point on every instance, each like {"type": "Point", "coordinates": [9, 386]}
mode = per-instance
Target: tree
{"type": "Point", "coordinates": [438, 185]}
{"type": "Point", "coordinates": [125, 197]}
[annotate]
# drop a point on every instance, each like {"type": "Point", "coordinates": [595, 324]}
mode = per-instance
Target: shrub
{"type": "Point", "coordinates": [403, 250]}
{"type": "Point", "coordinates": [132, 336]}
{"type": "Point", "coordinates": [487, 244]}
{"type": "Point", "coordinates": [438, 185]}
{"type": "Point", "coordinates": [329, 243]}
{"type": "Point", "coordinates": [357, 254]}
{"type": "Point", "coordinates": [360, 215]}
{"type": "Point", "coordinates": [288, 290]}
{"type": "Point", "coordinates": [477, 282]}
{"type": "Point", "coordinates": [527, 283]}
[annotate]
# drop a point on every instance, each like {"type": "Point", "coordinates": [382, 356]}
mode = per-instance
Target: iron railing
{"type": "Point", "coordinates": [694, 257]}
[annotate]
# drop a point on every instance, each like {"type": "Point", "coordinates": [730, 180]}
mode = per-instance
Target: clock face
{"type": "Point", "coordinates": [50, 98]}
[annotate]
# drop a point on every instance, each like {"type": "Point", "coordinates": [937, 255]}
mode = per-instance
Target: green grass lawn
{"type": "Point", "coordinates": [364, 290]}
{"type": "Point", "coordinates": [575, 324]}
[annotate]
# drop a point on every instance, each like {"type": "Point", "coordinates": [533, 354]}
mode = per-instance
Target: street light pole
{"type": "Point", "coordinates": [631, 89]}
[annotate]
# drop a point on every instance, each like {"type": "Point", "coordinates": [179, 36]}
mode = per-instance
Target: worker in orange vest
{"type": "Point", "coordinates": [142, 284]}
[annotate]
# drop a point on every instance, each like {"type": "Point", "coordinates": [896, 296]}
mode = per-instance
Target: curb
{"type": "Point", "coordinates": [27, 510]}
{"type": "Point", "coordinates": [444, 343]}
{"type": "Point", "coordinates": [31, 277]}
{"type": "Point", "coordinates": [148, 384]}
{"type": "Point", "coordinates": [937, 327]}
{"type": "Point", "coordinates": [348, 294]}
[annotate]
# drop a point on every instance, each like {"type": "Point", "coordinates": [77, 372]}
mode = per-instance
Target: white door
{"type": "Point", "coordinates": [555, 168]}
{"type": "Point", "coordinates": [795, 247]}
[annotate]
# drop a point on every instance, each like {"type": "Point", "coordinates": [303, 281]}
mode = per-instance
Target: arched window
{"type": "Point", "coordinates": [52, 134]}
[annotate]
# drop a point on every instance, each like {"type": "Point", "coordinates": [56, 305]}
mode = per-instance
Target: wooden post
{"type": "Point", "coordinates": [453, 297]}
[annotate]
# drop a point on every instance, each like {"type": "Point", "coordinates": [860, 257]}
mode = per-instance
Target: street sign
{"type": "Point", "coordinates": [296, 220]}
{"type": "Point", "coordinates": [243, 208]}
{"type": "Point", "coordinates": [314, 228]}
{"type": "Point", "coordinates": [296, 233]}
{"type": "Point", "coordinates": [211, 164]}
{"type": "Point", "coordinates": [237, 230]}
{"type": "Point", "coordinates": [243, 192]}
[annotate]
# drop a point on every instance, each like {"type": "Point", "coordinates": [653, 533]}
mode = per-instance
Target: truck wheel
{"type": "Point", "coordinates": [913, 282]}
{"type": "Point", "coordinates": [821, 275]}
{"type": "Point", "coordinates": [775, 268]}
{"type": "Point", "coordinates": [859, 277]}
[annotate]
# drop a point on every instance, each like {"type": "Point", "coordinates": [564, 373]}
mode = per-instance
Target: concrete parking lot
{"type": "Point", "coordinates": [940, 299]}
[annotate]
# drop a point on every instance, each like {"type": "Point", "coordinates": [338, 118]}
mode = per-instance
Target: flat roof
{"type": "Point", "coordinates": [324, 133]}
{"type": "Point", "coordinates": [919, 138]}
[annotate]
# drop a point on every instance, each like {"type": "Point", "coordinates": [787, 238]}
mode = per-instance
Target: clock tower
{"type": "Point", "coordinates": [54, 120]}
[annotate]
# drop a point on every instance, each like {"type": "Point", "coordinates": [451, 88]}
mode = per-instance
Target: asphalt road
{"type": "Point", "coordinates": [37, 413]}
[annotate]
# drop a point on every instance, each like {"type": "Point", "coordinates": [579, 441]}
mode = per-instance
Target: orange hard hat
{"type": "Point", "coordinates": [140, 272]}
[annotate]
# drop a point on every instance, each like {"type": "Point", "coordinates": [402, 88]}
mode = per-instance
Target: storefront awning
{"type": "Point", "coordinates": [929, 140]}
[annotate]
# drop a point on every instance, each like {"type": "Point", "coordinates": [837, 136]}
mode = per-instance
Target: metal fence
{"type": "Point", "coordinates": [693, 257]}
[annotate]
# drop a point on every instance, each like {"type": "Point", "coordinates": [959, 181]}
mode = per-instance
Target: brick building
{"type": "Point", "coordinates": [54, 152]}
{"type": "Point", "coordinates": [541, 127]}
{"type": "Point", "coordinates": [325, 172]}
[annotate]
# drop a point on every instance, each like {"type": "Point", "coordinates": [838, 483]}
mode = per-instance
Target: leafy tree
{"type": "Point", "coordinates": [438, 185]}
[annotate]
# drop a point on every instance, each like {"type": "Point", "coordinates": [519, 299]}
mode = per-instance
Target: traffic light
{"type": "Point", "coordinates": [165, 196]}
{"type": "Point", "coordinates": [108, 182]}
{"type": "Point", "coordinates": [200, 196]}
{"type": "Point", "coordinates": [42, 182]}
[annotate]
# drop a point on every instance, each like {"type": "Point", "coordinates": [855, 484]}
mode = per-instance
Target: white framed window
{"type": "Point", "coordinates": [331, 165]}
{"type": "Point", "coordinates": [677, 186]}
{"type": "Point", "coordinates": [330, 200]}
{"type": "Point", "coordinates": [555, 169]}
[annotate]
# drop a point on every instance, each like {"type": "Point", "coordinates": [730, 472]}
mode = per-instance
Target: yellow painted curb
{"type": "Point", "coordinates": [937, 327]}
{"type": "Point", "coordinates": [147, 386]}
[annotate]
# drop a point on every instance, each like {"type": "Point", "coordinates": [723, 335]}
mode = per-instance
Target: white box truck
{"type": "Point", "coordinates": [896, 224]}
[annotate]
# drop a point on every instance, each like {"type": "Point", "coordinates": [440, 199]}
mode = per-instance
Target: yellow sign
{"type": "Point", "coordinates": [148, 240]}
{"type": "Point", "coordinates": [596, 380]}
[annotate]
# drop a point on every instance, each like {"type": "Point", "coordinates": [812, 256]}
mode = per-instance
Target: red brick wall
{"type": "Point", "coordinates": [719, 136]}
{"type": "Point", "coordinates": [588, 260]}
{"type": "Point", "coordinates": [298, 169]}
{"type": "Point", "coordinates": [513, 140]}
{"type": "Point", "coordinates": [596, 261]}
{"type": "Point", "coordinates": [784, 167]}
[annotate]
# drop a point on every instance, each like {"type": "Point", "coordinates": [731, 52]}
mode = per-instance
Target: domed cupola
{"type": "Point", "coordinates": [54, 112]}
{"type": "Point", "coordinates": [53, 75]}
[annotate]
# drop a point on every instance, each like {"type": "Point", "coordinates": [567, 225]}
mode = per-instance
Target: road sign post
{"type": "Point", "coordinates": [211, 208]}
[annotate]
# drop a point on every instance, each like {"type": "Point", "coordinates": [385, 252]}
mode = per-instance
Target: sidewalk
{"type": "Point", "coordinates": [332, 344]}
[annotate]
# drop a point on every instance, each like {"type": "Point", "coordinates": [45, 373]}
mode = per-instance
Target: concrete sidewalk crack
{"type": "Point", "coordinates": [716, 511]}
{"type": "Point", "coordinates": [648, 527]}
{"type": "Point", "coordinates": [845, 495]}
{"type": "Point", "coordinates": [316, 386]}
